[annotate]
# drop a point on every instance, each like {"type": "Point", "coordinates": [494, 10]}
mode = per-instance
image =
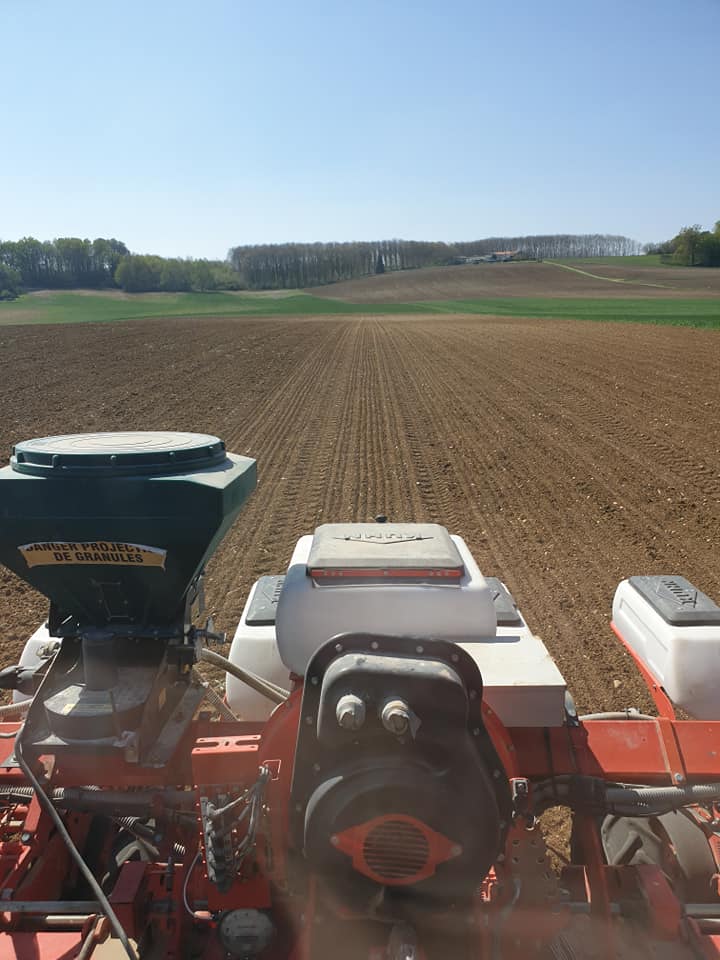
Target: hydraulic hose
{"type": "Point", "coordinates": [663, 796]}
{"type": "Point", "coordinates": [258, 684]}
{"type": "Point", "coordinates": [120, 803]}
{"type": "Point", "coordinates": [594, 795]}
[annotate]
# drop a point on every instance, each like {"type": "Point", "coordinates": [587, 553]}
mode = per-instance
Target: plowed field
{"type": "Point", "coordinates": [568, 454]}
{"type": "Point", "coordinates": [527, 279]}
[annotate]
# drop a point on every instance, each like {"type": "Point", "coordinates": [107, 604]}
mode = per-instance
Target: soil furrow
{"type": "Point", "coordinates": [569, 455]}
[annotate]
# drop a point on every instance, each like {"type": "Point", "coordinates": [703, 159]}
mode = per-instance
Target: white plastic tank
{"type": "Point", "coordinates": [357, 578]}
{"type": "Point", "coordinates": [406, 579]}
{"type": "Point", "coordinates": [254, 648]}
{"type": "Point", "coordinates": [674, 629]}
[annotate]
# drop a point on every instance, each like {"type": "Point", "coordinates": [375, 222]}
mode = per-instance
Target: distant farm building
{"type": "Point", "coordinates": [498, 256]}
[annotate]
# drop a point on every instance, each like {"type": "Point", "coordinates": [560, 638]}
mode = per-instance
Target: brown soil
{"type": "Point", "coordinates": [569, 455]}
{"type": "Point", "coordinates": [526, 279]}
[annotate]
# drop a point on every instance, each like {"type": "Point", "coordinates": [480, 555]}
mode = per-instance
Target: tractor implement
{"type": "Point", "coordinates": [372, 784]}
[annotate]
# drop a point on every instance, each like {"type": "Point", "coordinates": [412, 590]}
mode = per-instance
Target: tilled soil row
{"type": "Point", "coordinates": [569, 455]}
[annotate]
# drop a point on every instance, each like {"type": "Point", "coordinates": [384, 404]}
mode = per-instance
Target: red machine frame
{"type": "Point", "coordinates": [172, 900]}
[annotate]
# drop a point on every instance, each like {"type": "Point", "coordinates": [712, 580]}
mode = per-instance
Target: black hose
{"type": "Point", "coordinates": [659, 796]}
{"type": "Point", "coordinates": [126, 803]}
{"type": "Point", "coordinates": [592, 794]}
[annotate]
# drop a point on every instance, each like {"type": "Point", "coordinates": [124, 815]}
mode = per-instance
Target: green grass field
{"type": "Point", "coordinates": [681, 313]}
{"type": "Point", "coordinates": [60, 307]}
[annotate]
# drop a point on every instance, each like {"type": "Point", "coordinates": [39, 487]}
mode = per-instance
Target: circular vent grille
{"type": "Point", "coordinates": [396, 850]}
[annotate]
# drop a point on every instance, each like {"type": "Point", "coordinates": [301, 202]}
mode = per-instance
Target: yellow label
{"type": "Point", "coordinates": [102, 551]}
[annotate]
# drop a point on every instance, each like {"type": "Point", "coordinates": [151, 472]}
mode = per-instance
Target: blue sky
{"type": "Point", "coordinates": [184, 128]}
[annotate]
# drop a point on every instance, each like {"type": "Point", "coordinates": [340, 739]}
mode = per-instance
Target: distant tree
{"type": "Point", "coordinates": [687, 243]}
{"type": "Point", "coordinates": [379, 264]}
{"type": "Point", "coordinates": [695, 247]}
{"type": "Point", "coordinates": [29, 261]}
{"type": "Point", "coordinates": [708, 250]}
{"type": "Point", "coordinates": [105, 256]}
{"type": "Point", "coordinates": [225, 278]}
{"type": "Point", "coordinates": [75, 260]}
{"type": "Point", "coordinates": [9, 283]}
{"type": "Point", "coordinates": [139, 274]}
{"type": "Point", "coordinates": [176, 275]}
{"type": "Point", "coordinates": [202, 276]}
{"type": "Point", "coordinates": [665, 248]}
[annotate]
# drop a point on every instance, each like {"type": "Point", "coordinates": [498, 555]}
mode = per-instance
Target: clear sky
{"type": "Point", "coordinates": [187, 127]}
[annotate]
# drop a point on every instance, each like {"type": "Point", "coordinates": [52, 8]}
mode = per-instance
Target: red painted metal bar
{"type": "Point", "coordinates": [623, 750]}
{"type": "Point", "coordinates": [660, 698]}
{"type": "Point", "coordinates": [652, 750]}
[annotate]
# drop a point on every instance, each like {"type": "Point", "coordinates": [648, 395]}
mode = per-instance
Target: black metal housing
{"type": "Point", "coordinates": [444, 771]}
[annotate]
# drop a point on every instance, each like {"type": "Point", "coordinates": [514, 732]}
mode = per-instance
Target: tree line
{"type": "Point", "coordinates": [57, 264]}
{"type": "Point", "coordinates": [70, 262]}
{"type": "Point", "coordinates": [145, 273]}
{"type": "Point", "coordinates": [554, 246]}
{"type": "Point", "coordinates": [298, 265]}
{"type": "Point", "coordinates": [691, 247]}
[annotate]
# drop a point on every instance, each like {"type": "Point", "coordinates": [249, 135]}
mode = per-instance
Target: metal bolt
{"type": "Point", "coordinates": [679, 778]}
{"type": "Point", "coordinates": [395, 717]}
{"type": "Point", "coordinates": [314, 681]}
{"type": "Point", "coordinates": [350, 712]}
{"type": "Point", "coordinates": [334, 840]}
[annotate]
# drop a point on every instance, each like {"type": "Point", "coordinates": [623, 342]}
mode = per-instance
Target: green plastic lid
{"type": "Point", "coordinates": [136, 453]}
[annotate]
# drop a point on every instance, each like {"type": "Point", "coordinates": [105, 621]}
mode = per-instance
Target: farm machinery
{"type": "Point", "coordinates": [374, 781]}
